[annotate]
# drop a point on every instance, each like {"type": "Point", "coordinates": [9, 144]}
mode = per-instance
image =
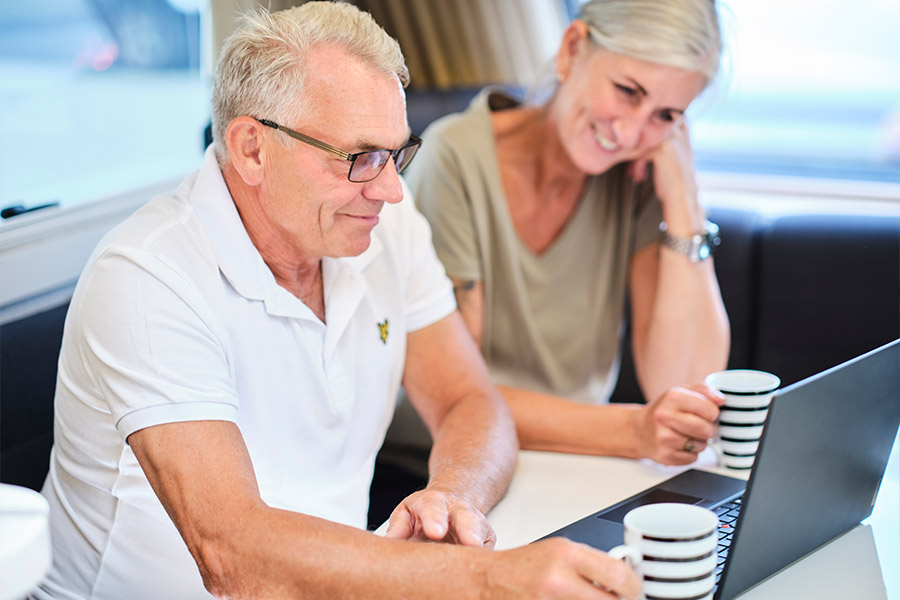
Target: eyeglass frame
{"type": "Point", "coordinates": [413, 141]}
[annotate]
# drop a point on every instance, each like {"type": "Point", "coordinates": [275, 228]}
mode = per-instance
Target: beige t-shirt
{"type": "Point", "coordinates": [552, 321]}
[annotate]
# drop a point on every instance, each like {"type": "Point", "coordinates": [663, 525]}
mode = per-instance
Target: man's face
{"type": "Point", "coordinates": [310, 206]}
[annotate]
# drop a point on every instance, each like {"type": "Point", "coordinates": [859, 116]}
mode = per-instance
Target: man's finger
{"type": "Point", "coordinates": [431, 512]}
{"type": "Point", "coordinates": [400, 524]}
{"type": "Point", "coordinates": [608, 573]}
{"type": "Point", "coordinates": [471, 528]}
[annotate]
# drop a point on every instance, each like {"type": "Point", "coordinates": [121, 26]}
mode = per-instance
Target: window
{"type": "Point", "coordinates": [810, 88]}
{"type": "Point", "coordinates": [813, 89]}
{"type": "Point", "coordinates": [98, 97]}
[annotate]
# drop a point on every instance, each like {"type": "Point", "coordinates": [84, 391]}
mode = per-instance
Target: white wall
{"type": "Point", "coordinates": [42, 253]}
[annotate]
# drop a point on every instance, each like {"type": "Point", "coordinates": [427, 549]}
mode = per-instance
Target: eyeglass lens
{"type": "Point", "coordinates": [405, 156]}
{"type": "Point", "coordinates": [368, 165]}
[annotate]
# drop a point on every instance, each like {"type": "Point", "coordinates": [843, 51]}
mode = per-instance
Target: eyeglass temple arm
{"type": "Point", "coordinates": [306, 139]}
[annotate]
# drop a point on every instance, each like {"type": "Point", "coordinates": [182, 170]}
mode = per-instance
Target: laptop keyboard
{"type": "Point", "coordinates": [728, 514]}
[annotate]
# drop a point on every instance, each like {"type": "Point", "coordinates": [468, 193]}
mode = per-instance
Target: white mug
{"type": "Point", "coordinates": [748, 394]}
{"type": "Point", "coordinates": [672, 546]}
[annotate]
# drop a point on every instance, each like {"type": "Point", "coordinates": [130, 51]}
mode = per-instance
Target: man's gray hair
{"type": "Point", "coordinates": [262, 64]}
{"type": "Point", "coordinates": [677, 33]}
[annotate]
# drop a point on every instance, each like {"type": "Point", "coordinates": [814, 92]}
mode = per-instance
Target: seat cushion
{"type": "Point", "coordinates": [29, 353]}
{"type": "Point", "coordinates": [829, 291]}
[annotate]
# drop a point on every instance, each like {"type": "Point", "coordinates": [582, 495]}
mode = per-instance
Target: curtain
{"type": "Point", "coordinates": [451, 43]}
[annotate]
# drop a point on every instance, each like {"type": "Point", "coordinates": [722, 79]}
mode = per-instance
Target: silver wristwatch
{"type": "Point", "coordinates": [697, 247]}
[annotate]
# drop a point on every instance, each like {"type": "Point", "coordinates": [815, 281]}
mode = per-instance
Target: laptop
{"type": "Point", "coordinates": [818, 468]}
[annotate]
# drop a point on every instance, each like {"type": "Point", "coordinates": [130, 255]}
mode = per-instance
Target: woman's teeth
{"type": "Point", "coordinates": [604, 142]}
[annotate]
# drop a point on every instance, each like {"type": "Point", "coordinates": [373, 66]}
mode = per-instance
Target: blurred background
{"type": "Point", "coordinates": [99, 97]}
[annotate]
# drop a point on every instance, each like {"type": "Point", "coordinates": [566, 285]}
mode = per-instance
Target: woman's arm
{"type": "Point", "coordinates": [657, 430]}
{"type": "Point", "coordinates": [680, 330]}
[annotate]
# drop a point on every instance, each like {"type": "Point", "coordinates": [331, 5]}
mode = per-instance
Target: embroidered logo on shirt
{"type": "Point", "coordinates": [383, 331]}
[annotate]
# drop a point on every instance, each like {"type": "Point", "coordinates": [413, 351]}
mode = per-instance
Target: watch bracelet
{"type": "Point", "coordinates": [690, 246]}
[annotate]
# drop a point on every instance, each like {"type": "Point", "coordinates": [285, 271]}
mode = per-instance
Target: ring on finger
{"type": "Point", "coordinates": [690, 445]}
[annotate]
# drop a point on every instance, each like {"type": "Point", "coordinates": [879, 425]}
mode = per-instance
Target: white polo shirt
{"type": "Point", "coordinates": [177, 318]}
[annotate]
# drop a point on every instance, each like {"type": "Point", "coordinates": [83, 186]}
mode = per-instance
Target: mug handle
{"type": "Point", "coordinates": [630, 554]}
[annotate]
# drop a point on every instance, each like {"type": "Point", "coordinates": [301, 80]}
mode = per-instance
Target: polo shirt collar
{"type": "Point", "coordinates": [243, 266]}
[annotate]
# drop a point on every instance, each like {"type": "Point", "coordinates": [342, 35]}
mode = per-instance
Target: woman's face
{"type": "Point", "coordinates": [612, 108]}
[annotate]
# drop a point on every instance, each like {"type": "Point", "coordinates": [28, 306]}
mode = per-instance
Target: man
{"type": "Point", "coordinates": [232, 354]}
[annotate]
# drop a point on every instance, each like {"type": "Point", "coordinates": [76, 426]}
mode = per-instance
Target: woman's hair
{"type": "Point", "coordinates": [262, 64]}
{"type": "Point", "coordinates": [677, 33]}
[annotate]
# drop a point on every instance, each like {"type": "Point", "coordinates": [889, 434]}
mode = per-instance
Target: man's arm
{"type": "Point", "coordinates": [475, 445]}
{"type": "Point", "coordinates": [202, 474]}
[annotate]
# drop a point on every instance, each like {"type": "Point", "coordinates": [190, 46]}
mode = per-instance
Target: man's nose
{"type": "Point", "coordinates": [386, 186]}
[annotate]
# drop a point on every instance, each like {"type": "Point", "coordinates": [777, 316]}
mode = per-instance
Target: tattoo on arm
{"type": "Point", "coordinates": [463, 286]}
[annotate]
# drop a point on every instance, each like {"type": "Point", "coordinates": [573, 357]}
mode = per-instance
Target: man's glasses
{"type": "Point", "coordinates": [364, 166]}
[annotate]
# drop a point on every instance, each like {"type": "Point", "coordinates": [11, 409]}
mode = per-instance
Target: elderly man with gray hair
{"type": "Point", "coordinates": [233, 352]}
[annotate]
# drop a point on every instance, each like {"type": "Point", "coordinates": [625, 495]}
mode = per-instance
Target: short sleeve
{"type": "Point", "coordinates": [436, 179]}
{"type": "Point", "coordinates": [150, 345]}
{"type": "Point", "coordinates": [429, 294]}
{"type": "Point", "coordinates": [647, 216]}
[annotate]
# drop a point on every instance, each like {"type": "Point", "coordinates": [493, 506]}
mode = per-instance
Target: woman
{"type": "Point", "coordinates": [545, 215]}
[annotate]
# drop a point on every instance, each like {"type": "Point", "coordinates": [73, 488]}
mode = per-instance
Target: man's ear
{"type": "Point", "coordinates": [573, 40]}
{"type": "Point", "coordinates": [247, 149]}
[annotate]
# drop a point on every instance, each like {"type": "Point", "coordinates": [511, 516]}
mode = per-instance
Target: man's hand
{"type": "Point", "coordinates": [676, 426]}
{"type": "Point", "coordinates": [440, 516]}
{"type": "Point", "coordinates": [560, 568]}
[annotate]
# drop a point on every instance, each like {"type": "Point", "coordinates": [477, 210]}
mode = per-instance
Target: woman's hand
{"type": "Point", "coordinates": [676, 426]}
{"type": "Point", "coordinates": [674, 180]}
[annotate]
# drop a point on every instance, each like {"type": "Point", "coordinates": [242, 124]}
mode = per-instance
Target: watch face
{"type": "Point", "coordinates": [703, 251]}
{"type": "Point", "coordinates": [695, 248]}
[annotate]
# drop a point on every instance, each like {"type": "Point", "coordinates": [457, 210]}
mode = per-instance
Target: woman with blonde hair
{"type": "Point", "coordinates": [550, 218]}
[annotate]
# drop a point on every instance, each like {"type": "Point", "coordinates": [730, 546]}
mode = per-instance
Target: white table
{"type": "Point", "coordinates": [550, 490]}
{"type": "Point", "coordinates": [24, 540]}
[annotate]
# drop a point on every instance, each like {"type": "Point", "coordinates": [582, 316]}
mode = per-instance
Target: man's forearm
{"type": "Point", "coordinates": [474, 452]}
{"type": "Point", "coordinates": [475, 446]}
{"type": "Point", "coordinates": [280, 554]}
{"type": "Point", "coordinates": [202, 474]}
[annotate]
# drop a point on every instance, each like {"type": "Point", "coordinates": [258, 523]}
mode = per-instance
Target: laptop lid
{"type": "Point", "coordinates": [819, 465]}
